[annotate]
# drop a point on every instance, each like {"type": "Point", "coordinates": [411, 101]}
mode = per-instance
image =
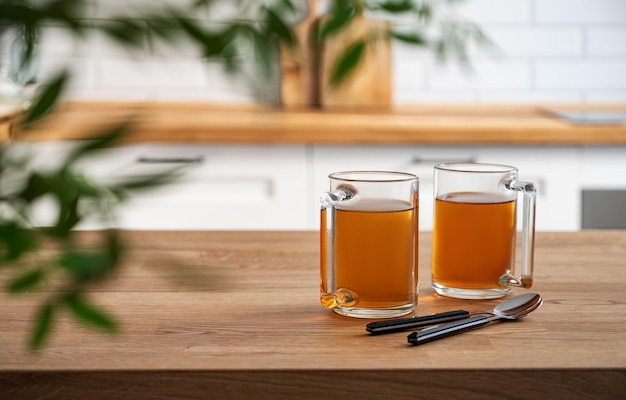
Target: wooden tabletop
{"type": "Point", "coordinates": [236, 315]}
{"type": "Point", "coordinates": [418, 124]}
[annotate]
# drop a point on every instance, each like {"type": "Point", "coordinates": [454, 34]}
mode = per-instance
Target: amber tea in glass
{"type": "Point", "coordinates": [474, 230]}
{"type": "Point", "coordinates": [369, 223]}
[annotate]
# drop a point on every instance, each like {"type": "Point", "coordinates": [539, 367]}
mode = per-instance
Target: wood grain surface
{"type": "Point", "coordinates": [424, 124]}
{"type": "Point", "coordinates": [236, 315]}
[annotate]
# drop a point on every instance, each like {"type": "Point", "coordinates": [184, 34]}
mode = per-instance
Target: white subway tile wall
{"type": "Point", "coordinates": [547, 51]}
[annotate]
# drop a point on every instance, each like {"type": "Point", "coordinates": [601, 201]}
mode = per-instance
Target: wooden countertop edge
{"type": "Point", "coordinates": [289, 384]}
{"type": "Point", "coordinates": [254, 123]}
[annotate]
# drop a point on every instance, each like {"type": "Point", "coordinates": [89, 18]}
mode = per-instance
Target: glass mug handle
{"type": "Point", "coordinates": [525, 278]}
{"type": "Point", "coordinates": [329, 297]}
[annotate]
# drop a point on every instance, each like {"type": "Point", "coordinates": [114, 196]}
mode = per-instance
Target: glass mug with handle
{"type": "Point", "coordinates": [368, 243]}
{"type": "Point", "coordinates": [474, 230]}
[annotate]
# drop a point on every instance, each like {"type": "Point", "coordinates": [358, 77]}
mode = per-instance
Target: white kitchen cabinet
{"type": "Point", "coordinates": [277, 187]}
{"type": "Point", "coordinates": [603, 167]}
{"type": "Point", "coordinates": [553, 170]}
{"type": "Point", "coordinates": [231, 188]}
{"type": "Point", "coordinates": [603, 187]}
{"type": "Point", "coordinates": [221, 187]}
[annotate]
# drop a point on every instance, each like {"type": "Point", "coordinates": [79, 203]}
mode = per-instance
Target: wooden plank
{"type": "Point", "coordinates": [214, 308]}
{"type": "Point", "coordinates": [444, 125]}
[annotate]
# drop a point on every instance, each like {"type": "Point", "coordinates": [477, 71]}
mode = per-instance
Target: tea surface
{"type": "Point", "coordinates": [375, 252]}
{"type": "Point", "coordinates": [473, 240]}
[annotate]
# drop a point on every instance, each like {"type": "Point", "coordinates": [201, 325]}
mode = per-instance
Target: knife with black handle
{"type": "Point", "coordinates": [403, 324]}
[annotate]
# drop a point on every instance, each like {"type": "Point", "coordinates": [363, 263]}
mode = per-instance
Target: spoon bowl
{"type": "Point", "coordinates": [518, 306]}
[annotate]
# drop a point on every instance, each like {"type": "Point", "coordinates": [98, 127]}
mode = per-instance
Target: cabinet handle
{"type": "Point", "coordinates": [170, 160]}
{"type": "Point", "coordinates": [435, 161]}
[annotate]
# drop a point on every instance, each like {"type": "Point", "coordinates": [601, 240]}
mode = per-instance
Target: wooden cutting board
{"type": "Point", "coordinates": [370, 84]}
{"type": "Point", "coordinates": [306, 71]}
{"type": "Point", "coordinates": [298, 87]}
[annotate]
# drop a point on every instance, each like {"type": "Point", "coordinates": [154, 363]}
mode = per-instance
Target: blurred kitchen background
{"type": "Point", "coordinates": [550, 51]}
{"type": "Point", "coordinates": [546, 52]}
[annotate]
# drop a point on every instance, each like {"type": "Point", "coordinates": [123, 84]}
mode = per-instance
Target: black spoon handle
{"type": "Point", "coordinates": [445, 330]}
{"type": "Point", "coordinates": [397, 325]}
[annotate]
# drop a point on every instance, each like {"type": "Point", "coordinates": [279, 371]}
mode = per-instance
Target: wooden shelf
{"type": "Point", "coordinates": [420, 124]}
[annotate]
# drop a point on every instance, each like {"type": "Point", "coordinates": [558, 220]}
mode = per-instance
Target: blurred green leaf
{"type": "Point", "coordinates": [114, 247]}
{"type": "Point", "coordinates": [146, 182]}
{"type": "Point", "coordinates": [128, 32]}
{"type": "Point", "coordinates": [202, 3]}
{"type": "Point", "coordinates": [288, 5]}
{"type": "Point", "coordinates": [86, 266]}
{"type": "Point", "coordinates": [15, 240]}
{"type": "Point", "coordinates": [44, 102]}
{"type": "Point", "coordinates": [16, 13]}
{"type": "Point", "coordinates": [400, 6]}
{"type": "Point", "coordinates": [424, 11]}
{"type": "Point", "coordinates": [274, 24]}
{"type": "Point", "coordinates": [347, 62]}
{"type": "Point", "coordinates": [213, 44]}
{"type": "Point", "coordinates": [68, 216]}
{"type": "Point", "coordinates": [100, 141]}
{"type": "Point", "coordinates": [263, 51]}
{"type": "Point", "coordinates": [26, 281]}
{"type": "Point", "coordinates": [36, 187]}
{"type": "Point", "coordinates": [43, 326]}
{"type": "Point", "coordinates": [193, 30]}
{"type": "Point", "coordinates": [66, 12]}
{"type": "Point", "coordinates": [165, 29]}
{"type": "Point", "coordinates": [227, 40]}
{"type": "Point", "coordinates": [345, 4]}
{"type": "Point", "coordinates": [88, 313]}
{"type": "Point", "coordinates": [336, 22]}
{"type": "Point", "coordinates": [87, 188]}
{"type": "Point", "coordinates": [411, 38]}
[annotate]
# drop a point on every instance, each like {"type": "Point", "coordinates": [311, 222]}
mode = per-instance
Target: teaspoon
{"type": "Point", "coordinates": [415, 322]}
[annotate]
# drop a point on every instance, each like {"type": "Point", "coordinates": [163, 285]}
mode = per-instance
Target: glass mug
{"type": "Point", "coordinates": [474, 230]}
{"type": "Point", "coordinates": [368, 244]}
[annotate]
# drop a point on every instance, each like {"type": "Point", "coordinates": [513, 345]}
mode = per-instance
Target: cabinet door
{"type": "Point", "coordinates": [604, 187]}
{"type": "Point", "coordinates": [604, 167]}
{"type": "Point", "coordinates": [231, 188]}
{"type": "Point", "coordinates": [556, 174]}
{"type": "Point", "coordinates": [554, 170]}
{"type": "Point", "coordinates": [219, 186]}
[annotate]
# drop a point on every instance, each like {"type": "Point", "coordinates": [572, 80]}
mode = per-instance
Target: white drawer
{"type": "Point", "coordinates": [230, 188]}
{"type": "Point", "coordinates": [220, 186]}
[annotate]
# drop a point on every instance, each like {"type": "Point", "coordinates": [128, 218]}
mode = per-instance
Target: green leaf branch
{"type": "Point", "coordinates": [451, 41]}
{"type": "Point", "coordinates": [65, 276]}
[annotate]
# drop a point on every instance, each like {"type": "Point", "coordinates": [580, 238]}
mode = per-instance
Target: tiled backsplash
{"type": "Point", "coordinates": [550, 51]}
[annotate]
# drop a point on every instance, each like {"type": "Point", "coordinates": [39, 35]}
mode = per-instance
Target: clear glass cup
{"type": "Point", "coordinates": [369, 244]}
{"type": "Point", "coordinates": [474, 230]}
